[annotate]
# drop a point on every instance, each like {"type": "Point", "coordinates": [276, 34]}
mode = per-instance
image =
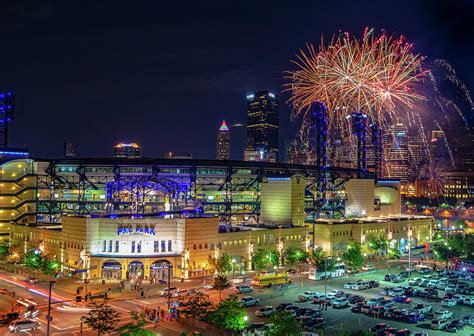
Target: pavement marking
{"type": "Point", "coordinates": [144, 302]}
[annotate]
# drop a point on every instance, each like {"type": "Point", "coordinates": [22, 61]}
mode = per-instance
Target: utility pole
{"type": "Point", "coordinates": [51, 284]}
{"type": "Point", "coordinates": [169, 286]}
{"type": "Point", "coordinates": [326, 275]}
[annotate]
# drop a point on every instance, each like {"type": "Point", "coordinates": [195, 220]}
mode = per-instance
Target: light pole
{"type": "Point", "coordinates": [233, 268]}
{"type": "Point", "coordinates": [51, 284]}
{"type": "Point", "coordinates": [409, 257]}
{"type": "Point", "coordinates": [326, 275]}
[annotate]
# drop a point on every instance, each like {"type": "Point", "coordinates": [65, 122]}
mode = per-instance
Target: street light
{"type": "Point", "coordinates": [233, 268]}
{"type": "Point", "coordinates": [51, 284]}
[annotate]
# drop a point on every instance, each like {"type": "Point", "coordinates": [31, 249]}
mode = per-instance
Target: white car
{"type": "Point", "coordinates": [250, 301]}
{"type": "Point", "coordinates": [396, 292]}
{"type": "Point", "coordinates": [459, 297]}
{"type": "Point", "coordinates": [449, 289]}
{"type": "Point", "coordinates": [349, 285]}
{"type": "Point", "coordinates": [360, 286]}
{"type": "Point", "coordinates": [340, 303]}
{"type": "Point", "coordinates": [469, 301]}
{"type": "Point", "coordinates": [422, 308]}
{"type": "Point", "coordinates": [307, 296]}
{"type": "Point", "coordinates": [442, 314]}
{"type": "Point", "coordinates": [173, 291]}
{"type": "Point", "coordinates": [439, 324]}
{"type": "Point", "coordinates": [319, 297]}
{"type": "Point", "coordinates": [23, 325]}
{"type": "Point", "coordinates": [244, 289]}
{"type": "Point", "coordinates": [265, 311]}
{"type": "Point", "coordinates": [448, 302]}
{"type": "Point", "coordinates": [367, 268]}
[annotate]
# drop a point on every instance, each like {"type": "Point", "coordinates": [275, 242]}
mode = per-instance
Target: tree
{"type": "Point", "coordinates": [444, 252]}
{"type": "Point", "coordinates": [137, 326]}
{"type": "Point", "coordinates": [220, 283]}
{"type": "Point", "coordinates": [229, 314]}
{"type": "Point", "coordinates": [259, 259]}
{"type": "Point", "coordinates": [34, 259]}
{"type": "Point", "coordinates": [195, 306]}
{"type": "Point", "coordinates": [222, 264]}
{"type": "Point", "coordinates": [50, 266]}
{"type": "Point", "coordinates": [322, 262]}
{"type": "Point", "coordinates": [353, 256]}
{"type": "Point", "coordinates": [378, 244]}
{"type": "Point", "coordinates": [294, 255]}
{"type": "Point", "coordinates": [102, 317]}
{"type": "Point", "coordinates": [393, 254]}
{"type": "Point", "coordinates": [284, 325]}
{"type": "Point", "coordinates": [4, 249]}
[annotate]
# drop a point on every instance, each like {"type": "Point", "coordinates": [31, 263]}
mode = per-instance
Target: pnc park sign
{"type": "Point", "coordinates": [137, 230]}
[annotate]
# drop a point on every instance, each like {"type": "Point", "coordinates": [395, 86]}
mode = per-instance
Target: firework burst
{"type": "Point", "coordinates": [378, 75]}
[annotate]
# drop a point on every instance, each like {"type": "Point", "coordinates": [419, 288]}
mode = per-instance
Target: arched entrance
{"type": "Point", "coordinates": [111, 269]}
{"type": "Point", "coordinates": [135, 270]}
{"type": "Point", "coordinates": [159, 270]}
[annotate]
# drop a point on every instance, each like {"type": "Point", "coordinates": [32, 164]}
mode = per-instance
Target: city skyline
{"type": "Point", "coordinates": [160, 107]}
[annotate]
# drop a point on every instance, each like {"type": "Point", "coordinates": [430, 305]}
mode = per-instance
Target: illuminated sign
{"type": "Point", "coordinates": [138, 230]}
{"type": "Point", "coordinates": [271, 95]}
{"type": "Point", "coordinates": [250, 96]}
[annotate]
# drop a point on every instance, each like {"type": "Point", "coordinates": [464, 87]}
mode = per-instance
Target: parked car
{"type": "Point", "coordinates": [468, 301]}
{"type": "Point", "coordinates": [378, 310]}
{"type": "Point", "coordinates": [250, 301]}
{"type": "Point", "coordinates": [265, 311]}
{"type": "Point", "coordinates": [404, 274]}
{"type": "Point", "coordinates": [313, 324]}
{"type": "Point", "coordinates": [244, 289]}
{"type": "Point", "coordinates": [420, 293]}
{"type": "Point", "coordinates": [360, 286]}
{"type": "Point", "coordinates": [318, 297]}
{"type": "Point", "coordinates": [389, 312]}
{"type": "Point", "coordinates": [23, 325]}
{"type": "Point", "coordinates": [366, 309]}
{"type": "Point", "coordinates": [340, 303]}
{"type": "Point", "coordinates": [469, 320]}
{"type": "Point", "coordinates": [389, 277]}
{"type": "Point", "coordinates": [439, 324]}
{"type": "Point", "coordinates": [455, 325]}
{"type": "Point", "coordinates": [414, 317]}
{"type": "Point", "coordinates": [283, 306]}
{"type": "Point", "coordinates": [379, 328]}
{"type": "Point", "coordinates": [398, 279]}
{"type": "Point", "coordinates": [422, 308]}
{"type": "Point", "coordinates": [448, 303]}
{"type": "Point", "coordinates": [373, 284]}
{"type": "Point", "coordinates": [402, 299]}
{"type": "Point", "coordinates": [396, 291]}
{"type": "Point", "coordinates": [307, 296]}
{"type": "Point", "coordinates": [368, 268]}
{"type": "Point", "coordinates": [442, 314]}
{"type": "Point", "coordinates": [172, 291]}
{"type": "Point", "coordinates": [399, 314]}
{"type": "Point", "coordinates": [414, 281]}
{"type": "Point", "coordinates": [349, 285]}
{"type": "Point", "coordinates": [357, 307]}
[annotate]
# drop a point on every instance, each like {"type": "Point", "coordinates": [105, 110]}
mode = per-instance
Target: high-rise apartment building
{"type": "Point", "coordinates": [127, 150]}
{"type": "Point", "coordinates": [262, 127]}
{"type": "Point", "coordinates": [223, 142]}
{"type": "Point", "coordinates": [395, 147]}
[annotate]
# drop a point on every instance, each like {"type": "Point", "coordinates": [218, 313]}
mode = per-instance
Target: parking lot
{"type": "Point", "coordinates": [339, 321]}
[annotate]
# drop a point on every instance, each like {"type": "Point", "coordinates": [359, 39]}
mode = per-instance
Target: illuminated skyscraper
{"type": "Point", "coordinates": [223, 142]}
{"type": "Point", "coordinates": [127, 150]}
{"type": "Point", "coordinates": [395, 146]}
{"type": "Point", "coordinates": [262, 127]}
{"type": "Point", "coordinates": [7, 114]}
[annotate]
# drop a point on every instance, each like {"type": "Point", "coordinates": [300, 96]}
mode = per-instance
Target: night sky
{"type": "Point", "coordinates": [165, 73]}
